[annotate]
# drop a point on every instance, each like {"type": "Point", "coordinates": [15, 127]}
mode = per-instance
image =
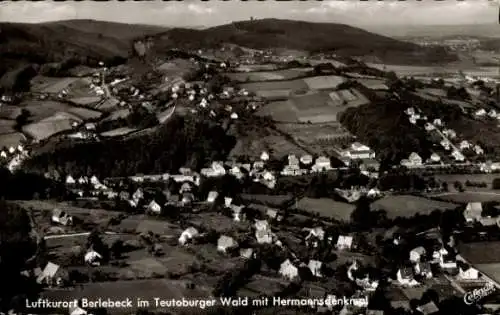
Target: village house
{"type": "Point", "coordinates": [185, 187]}
{"type": "Point", "coordinates": [237, 215]}
{"type": "Point", "coordinates": [478, 150]}
{"type": "Point", "coordinates": [434, 158]}
{"type": "Point", "coordinates": [215, 170]}
{"type": "Point", "coordinates": [417, 254]}
{"type": "Point", "coordinates": [188, 234]}
{"type": "Point", "coordinates": [358, 151]}
{"type": "Point", "coordinates": [467, 272]}
{"type": "Point", "coordinates": [187, 199]}
{"type": "Point", "coordinates": [226, 243]}
{"type": "Point", "coordinates": [212, 196]}
{"type": "Point", "coordinates": [288, 270]}
{"type": "Point", "coordinates": [52, 275]}
{"type": "Point", "coordinates": [458, 156]}
{"type": "Point", "coordinates": [315, 266]}
{"type": "Point", "coordinates": [154, 207]}
{"type": "Point", "coordinates": [429, 308]}
{"type": "Point", "coordinates": [410, 111]}
{"type": "Point", "coordinates": [414, 160]}
{"type": "Point", "coordinates": [264, 156]}
{"type": "Point", "coordinates": [450, 133]}
{"type": "Point", "coordinates": [446, 144]}
{"type": "Point", "coordinates": [322, 164]}
{"type": "Point", "coordinates": [464, 144]}
{"type": "Point", "coordinates": [247, 253]}
{"type": "Point", "coordinates": [473, 212]}
{"type": "Point", "coordinates": [306, 159]}
{"type": "Point", "coordinates": [405, 277]}
{"type": "Point", "coordinates": [315, 236]}
{"type": "Point", "coordinates": [274, 214]}
{"type": "Point", "coordinates": [437, 122]}
{"type": "Point", "coordinates": [70, 180]}
{"type": "Point", "coordinates": [423, 269]}
{"type": "Point", "coordinates": [428, 126]}
{"type": "Point", "coordinates": [344, 242]}
{"type": "Point", "coordinates": [92, 258]}
{"type": "Point", "coordinates": [61, 217]}
{"type": "Point", "coordinates": [138, 195]}
{"type": "Point", "coordinates": [448, 262]}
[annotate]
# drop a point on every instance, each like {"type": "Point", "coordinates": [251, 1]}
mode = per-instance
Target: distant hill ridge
{"type": "Point", "coordinates": [90, 39]}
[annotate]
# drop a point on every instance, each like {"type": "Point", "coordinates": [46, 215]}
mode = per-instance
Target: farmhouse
{"type": "Point", "coordinates": [61, 217]}
{"type": "Point", "coordinates": [288, 270]}
{"type": "Point", "coordinates": [154, 207]}
{"type": "Point", "coordinates": [358, 151]}
{"type": "Point", "coordinates": [473, 212]}
{"type": "Point", "coordinates": [53, 274]}
{"type": "Point", "coordinates": [417, 254]}
{"type": "Point", "coordinates": [322, 164]}
{"type": "Point", "coordinates": [405, 277]}
{"type": "Point", "coordinates": [344, 242]}
{"type": "Point", "coordinates": [226, 243]}
{"type": "Point", "coordinates": [414, 160]}
{"type": "Point", "coordinates": [188, 234]}
{"type": "Point", "coordinates": [315, 267]}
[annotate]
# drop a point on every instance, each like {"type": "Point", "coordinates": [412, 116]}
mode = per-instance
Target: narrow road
{"type": "Point", "coordinates": [48, 237]}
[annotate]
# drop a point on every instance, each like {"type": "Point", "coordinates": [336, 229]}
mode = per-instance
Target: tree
{"type": "Point", "coordinates": [496, 183]}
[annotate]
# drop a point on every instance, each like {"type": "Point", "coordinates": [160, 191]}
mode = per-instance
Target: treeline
{"type": "Point", "coordinates": [181, 142]}
{"type": "Point", "coordinates": [26, 186]}
{"type": "Point", "coordinates": [385, 128]}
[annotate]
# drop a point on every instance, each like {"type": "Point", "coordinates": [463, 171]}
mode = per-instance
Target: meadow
{"type": "Point", "coordinates": [408, 206]}
{"type": "Point", "coordinates": [328, 208]}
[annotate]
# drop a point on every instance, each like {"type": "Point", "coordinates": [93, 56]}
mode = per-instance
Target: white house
{"type": "Point", "coordinates": [264, 236]}
{"type": "Point", "coordinates": [227, 201]}
{"type": "Point", "coordinates": [95, 181]}
{"type": "Point", "coordinates": [405, 277]}
{"type": "Point", "coordinates": [435, 158]}
{"type": "Point", "coordinates": [70, 180]}
{"type": "Point", "coordinates": [464, 145]}
{"type": "Point", "coordinates": [138, 195]}
{"type": "Point", "coordinates": [247, 253]}
{"type": "Point", "coordinates": [154, 207]}
{"type": "Point", "coordinates": [188, 235]}
{"type": "Point", "coordinates": [450, 133]}
{"type": "Point", "coordinates": [236, 212]}
{"type": "Point", "coordinates": [264, 156]}
{"type": "Point", "coordinates": [92, 258]}
{"type": "Point", "coordinates": [410, 111]}
{"type": "Point", "coordinates": [480, 112]}
{"type": "Point", "coordinates": [437, 122]}
{"type": "Point", "coordinates": [225, 243]}
{"type": "Point", "coordinates": [417, 254]}
{"type": "Point", "coordinates": [458, 156]}
{"type": "Point", "coordinates": [322, 163]}
{"type": "Point", "coordinates": [288, 270]}
{"type": "Point", "coordinates": [423, 269]}
{"type": "Point", "coordinates": [306, 159]}
{"type": "Point", "coordinates": [473, 212]}
{"type": "Point", "coordinates": [316, 234]}
{"type": "Point", "coordinates": [478, 150]}
{"type": "Point", "coordinates": [344, 242]}
{"type": "Point", "coordinates": [315, 267]}
{"type": "Point", "coordinates": [61, 217]}
{"type": "Point", "coordinates": [261, 225]}
{"type": "Point", "coordinates": [212, 196]}
{"type": "Point", "coordinates": [428, 126]}
{"type": "Point", "coordinates": [466, 272]}
{"type": "Point", "coordinates": [234, 116]}
{"type": "Point", "coordinates": [445, 143]}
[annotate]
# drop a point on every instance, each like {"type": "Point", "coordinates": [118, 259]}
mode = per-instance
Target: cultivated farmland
{"type": "Point", "coordinates": [281, 111]}
{"type": "Point", "coordinates": [292, 85]}
{"type": "Point", "coordinates": [408, 206]}
{"type": "Point", "coordinates": [51, 85]}
{"type": "Point", "coordinates": [286, 74]}
{"type": "Point", "coordinates": [324, 82]}
{"type": "Point", "coordinates": [328, 208]}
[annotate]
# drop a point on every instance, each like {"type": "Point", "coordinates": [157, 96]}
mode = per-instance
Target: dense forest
{"type": "Point", "coordinates": [184, 141]}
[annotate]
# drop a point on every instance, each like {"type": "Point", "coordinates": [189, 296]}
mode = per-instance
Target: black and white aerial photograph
{"type": "Point", "coordinates": [250, 158]}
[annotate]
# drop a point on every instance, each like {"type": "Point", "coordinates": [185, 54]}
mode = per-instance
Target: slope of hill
{"type": "Point", "coordinates": [56, 41]}
{"type": "Point", "coordinates": [300, 35]}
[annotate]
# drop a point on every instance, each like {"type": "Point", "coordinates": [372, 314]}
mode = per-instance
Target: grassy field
{"type": "Point", "coordinates": [480, 252]}
{"type": "Point", "coordinates": [48, 127]}
{"type": "Point", "coordinates": [469, 196]}
{"type": "Point", "coordinates": [292, 85]}
{"type": "Point", "coordinates": [327, 208]}
{"type": "Point", "coordinates": [281, 111]}
{"type": "Point", "coordinates": [286, 74]}
{"type": "Point", "coordinates": [269, 200]}
{"type": "Point", "coordinates": [118, 132]}
{"type": "Point", "coordinates": [324, 82]}
{"type": "Point", "coordinates": [51, 85]}
{"type": "Point", "coordinates": [6, 126]}
{"type": "Point", "coordinates": [85, 100]}
{"type": "Point", "coordinates": [373, 84]}
{"type": "Point", "coordinates": [407, 205]}
{"type": "Point", "coordinates": [271, 95]}
{"type": "Point", "coordinates": [252, 68]}
{"type": "Point", "coordinates": [9, 112]}
{"type": "Point", "coordinates": [11, 139]}
{"type": "Point", "coordinates": [120, 113]}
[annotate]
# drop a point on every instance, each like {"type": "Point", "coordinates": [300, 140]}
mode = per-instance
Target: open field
{"type": "Point", "coordinates": [324, 82]}
{"type": "Point", "coordinates": [253, 68]}
{"type": "Point", "coordinates": [276, 144]}
{"type": "Point", "coordinates": [51, 85]}
{"type": "Point", "coordinates": [6, 126]}
{"type": "Point", "coordinates": [9, 112]}
{"type": "Point", "coordinates": [280, 111]}
{"type": "Point", "coordinates": [333, 62]}
{"type": "Point", "coordinates": [118, 132]}
{"type": "Point", "coordinates": [402, 70]}
{"type": "Point", "coordinates": [373, 84]}
{"type": "Point", "coordinates": [269, 200]}
{"type": "Point", "coordinates": [480, 253]}
{"type": "Point", "coordinates": [287, 74]}
{"type": "Point", "coordinates": [43, 109]}
{"type": "Point", "coordinates": [11, 139]}
{"type": "Point", "coordinates": [48, 127]}
{"type": "Point", "coordinates": [272, 95]}
{"type": "Point", "coordinates": [120, 113]}
{"type": "Point", "coordinates": [408, 206]}
{"type": "Point", "coordinates": [469, 196]}
{"type": "Point", "coordinates": [291, 85]}
{"type": "Point", "coordinates": [327, 208]}
{"type": "Point", "coordinates": [85, 100]}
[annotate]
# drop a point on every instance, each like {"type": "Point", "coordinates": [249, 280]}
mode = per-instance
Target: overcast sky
{"type": "Point", "coordinates": [197, 13]}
